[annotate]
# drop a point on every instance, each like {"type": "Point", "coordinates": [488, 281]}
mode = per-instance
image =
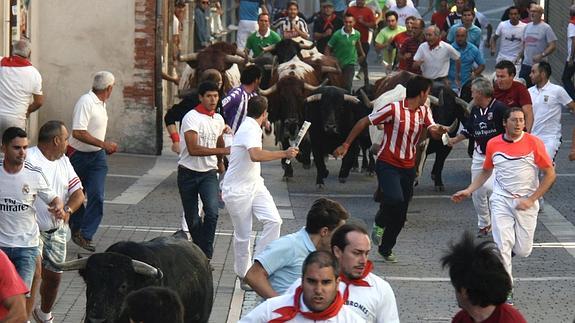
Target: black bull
{"type": "Point", "coordinates": [332, 114]}
{"type": "Point", "coordinates": [126, 266]}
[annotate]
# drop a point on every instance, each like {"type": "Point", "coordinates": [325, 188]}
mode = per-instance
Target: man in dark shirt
{"type": "Point", "coordinates": [325, 25]}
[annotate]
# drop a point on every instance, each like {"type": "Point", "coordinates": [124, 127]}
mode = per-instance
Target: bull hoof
{"type": "Point", "coordinates": [342, 179]}
{"type": "Point", "coordinates": [370, 173]}
{"type": "Point", "coordinates": [307, 166]}
{"type": "Point", "coordinates": [355, 170]}
{"type": "Point", "coordinates": [320, 187]}
{"type": "Point", "coordinates": [439, 188]}
{"type": "Point", "coordinates": [415, 183]}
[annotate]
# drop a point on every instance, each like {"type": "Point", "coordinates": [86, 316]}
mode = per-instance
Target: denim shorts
{"type": "Point", "coordinates": [53, 247]}
{"type": "Point", "coordinates": [24, 259]}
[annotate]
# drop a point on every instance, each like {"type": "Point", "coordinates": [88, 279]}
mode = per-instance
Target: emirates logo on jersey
{"type": "Point", "coordinates": [26, 189]}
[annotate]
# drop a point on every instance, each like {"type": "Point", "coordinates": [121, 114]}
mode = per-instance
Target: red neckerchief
{"type": "Point", "coordinates": [289, 312]}
{"type": "Point", "coordinates": [328, 21]}
{"type": "Point", "coordinates": [431, 47]}
{"type": "Point", "coordinates": [572, 20]}
{"type": "Point", "coordinates": [358, 281]}
{"type": "Point", "coordinates": [201, 109]}
{"type": "Point", "coordinates": [15, 61]}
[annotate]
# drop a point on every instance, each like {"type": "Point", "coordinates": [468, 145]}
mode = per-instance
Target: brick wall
{"type": "Point", "coordinates": [140, 132]}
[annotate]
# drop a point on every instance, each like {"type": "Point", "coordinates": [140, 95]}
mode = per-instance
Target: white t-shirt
{"type": "Point", "coordinates": [89, 114]}
{"type": "Point", "coordinates": [375, 304]}
{"type": "Point", "coordinates": [510, 40]}
{"type": "Point", "coordinates": [208, 130]}
{"type": "Point", "coordinates": [436, 61]}
{"type": "Point", "coordinates": [405, 12]}
{"type": "Point", "coordinates": [547, 105]}
{"type": "Point", "coordinates": [18, 227]}
{"type": "Point", "coordinates": [393, 3]}
{"type": "Point", "coordinates": [264, 312]}
{"type": "Point", "coordinates": [570, 35]}
{"type": "Point", "coordinates": [63, 181]}
{"type": "Point", "coordinates": [17, 85]}
{"type": "Point", "coordinates": [243, 174]}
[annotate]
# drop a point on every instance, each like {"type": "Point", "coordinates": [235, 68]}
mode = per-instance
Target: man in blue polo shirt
{"type": "Point", "coordinates": [470, 57]}
{"type": "Point", "coordinates": [279, 264]}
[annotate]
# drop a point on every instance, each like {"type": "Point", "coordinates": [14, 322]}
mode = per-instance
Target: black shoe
{"type": "Point", "coordinates": [82, 242]}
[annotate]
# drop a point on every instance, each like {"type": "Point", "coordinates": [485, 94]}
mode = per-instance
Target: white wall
{"type": "Point", "coordinates": [73, 39]}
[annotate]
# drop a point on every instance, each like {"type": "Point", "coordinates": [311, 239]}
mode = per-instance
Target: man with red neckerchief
{"type": "Point", "coordinates": [202, 148]}
{"type": "Point", "coordinates": [316, 300]}
{"type": "Point", "coordinates": [20, 83]}
{"type": "Point", "coordinates": [367, 294]}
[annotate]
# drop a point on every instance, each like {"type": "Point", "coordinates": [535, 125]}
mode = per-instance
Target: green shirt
{"type": "Point", "coordinates": [385, 35]}
{"type": "Point", "coordinates": [343, 46]}
{"type": "Point", "coordinates": [256, 42]}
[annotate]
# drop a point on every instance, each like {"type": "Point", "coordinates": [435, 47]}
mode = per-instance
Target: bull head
{"type": "Point", "coordinates": [138, 266]}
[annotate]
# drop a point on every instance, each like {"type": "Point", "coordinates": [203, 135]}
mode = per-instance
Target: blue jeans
{"type": "Point", "coordinates": [396, 186]}
{"type": "Point", "coordinates": [24, 259]}
{"type": "Point", "coordinates": [190, 184]}
{"type": "Point", "coordinates": [91, 168]}
{"type": "Point", "coordinates": [524, 74]}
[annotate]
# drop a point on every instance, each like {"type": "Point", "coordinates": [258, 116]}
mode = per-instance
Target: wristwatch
{"type": "Point", "coordinates": [68, 209]}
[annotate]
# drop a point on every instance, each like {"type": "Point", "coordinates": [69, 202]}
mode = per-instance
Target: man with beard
{"type": "Point", "coordinates": [327, 24]}
{"type": "Point", "coordinates": [316, 300]}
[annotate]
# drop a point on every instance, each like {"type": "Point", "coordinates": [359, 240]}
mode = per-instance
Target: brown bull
{"type": "Point", "coordinates": [220, 56]}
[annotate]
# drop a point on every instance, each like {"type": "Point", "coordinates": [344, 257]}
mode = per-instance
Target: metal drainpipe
{"type": "Point", "coordinates": [158, 102]}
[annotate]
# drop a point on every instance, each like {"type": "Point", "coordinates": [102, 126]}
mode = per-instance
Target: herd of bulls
{"type": "Point", "coordinates": [295, 81]}
{"type": "Point", "coordinates": [302, 84]}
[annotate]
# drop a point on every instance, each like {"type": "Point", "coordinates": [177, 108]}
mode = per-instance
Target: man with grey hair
{"type": "Point", "coordinates": [433, 57]}
{"type": "Point", "coordinates": [87, 152]}
{"type": "Point", "coordinates": [49, 155]}
{"type": "Point", "coordinates": [20, 83]}
{"type": "Point", "coordinates": [484, 123]}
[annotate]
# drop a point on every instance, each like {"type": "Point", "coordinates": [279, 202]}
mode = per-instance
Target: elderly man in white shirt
{"type": "Point", "coordinates": [433, 57]}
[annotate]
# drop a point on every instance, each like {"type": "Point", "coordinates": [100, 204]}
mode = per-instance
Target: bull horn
{"type": "Point", "coordinates": [365, 98]}
{"type": "Point", "coordinates": [313, 98]}
{"type": "Point", "coordinates": [75, 264]}
{"type": "Point", "coordinates": [268, 91]}
{"type": "Point", "coordinates": [234, 59]}
{"type": "Point", "coordinates": [143, 268]}
{"type": "Point", "coordinates": [310, 87]}
{"type": "Point", "coordinates": [329, 69]}
{"type": "Point", "coordinates": [463, 104]}
{"type": "Point", "coordinates": [433, 100]}
{"type": "Point", "coordinates": [189, 57]}
{"type": "Point", "coordinates": [350, 98]}
{"type": "Point", "coordinates": [269, 48]}
{"type": "Point", "coordinates": [453, 126]}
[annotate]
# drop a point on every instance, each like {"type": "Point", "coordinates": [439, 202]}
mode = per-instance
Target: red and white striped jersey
{"type": "Point", "coordinates": [402, 129]}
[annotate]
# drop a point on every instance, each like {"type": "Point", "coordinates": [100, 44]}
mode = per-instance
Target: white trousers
{"type": "Point", "coordinates": [481, 196]}
{"type": "Point", "coordinates": [551, 145]}
{"type": "Point", "coordinates": [513, 229]}
{"type": "Point", "coordinates": [241, 207]}
{"type": "Point", "coordinates": [245, 29]}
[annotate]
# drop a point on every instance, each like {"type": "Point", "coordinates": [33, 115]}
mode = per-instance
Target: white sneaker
{"type": "Point", "coordinates": [37, 314]}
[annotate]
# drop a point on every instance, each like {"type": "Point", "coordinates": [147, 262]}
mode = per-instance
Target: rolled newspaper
{"type": "Point", "coordinates": [300, 136]}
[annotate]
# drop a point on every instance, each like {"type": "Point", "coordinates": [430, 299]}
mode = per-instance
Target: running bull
{"type": "Point", "coordinates": [126, 266]}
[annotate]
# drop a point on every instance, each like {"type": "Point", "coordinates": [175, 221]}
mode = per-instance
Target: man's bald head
{"type": "Point", "coordinates": [461, 36]}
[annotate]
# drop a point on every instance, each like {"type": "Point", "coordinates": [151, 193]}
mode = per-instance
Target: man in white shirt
{"type": "Point", "coordinates": [21, 183]}
{"type": "Point", "coordinates": [433, 57]}
{"type": "Point", "coordinates": [20, 83]}
{"type": "Point", "coordinates": [87, 152]}
{"type": "Point", "coordinates": [511, 34]}
{"type": "Point", "coordinates": [403, 11]}
{"type": "Point", "coordinates": [49, 155]}
{"type": "Point", "coordinates": [364, 292]}
{"type": "Point", "coordinates": [548, 102]}
{"type": "Point", "coordinates": [202, 149]}
{"type": "Point", "coordinates": [316, 300]}
{"type": "Point", "coordinates": [243, 188]}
